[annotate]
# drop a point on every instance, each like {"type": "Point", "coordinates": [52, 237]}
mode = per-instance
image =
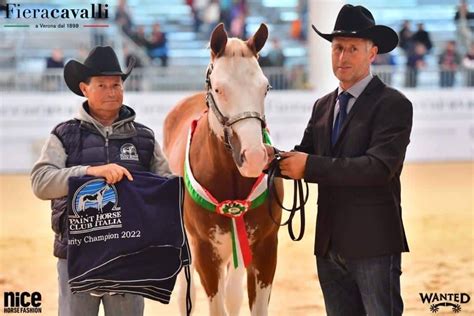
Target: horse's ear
{"type": "Point", "coordinates": [218, 40]}
{"type": "Point", "coordinates": [257, 41]}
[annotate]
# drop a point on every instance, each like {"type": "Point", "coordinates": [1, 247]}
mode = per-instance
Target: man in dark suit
{"type": "Point", "coordinates": [354, 147]}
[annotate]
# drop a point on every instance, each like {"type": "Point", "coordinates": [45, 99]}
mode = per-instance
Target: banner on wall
{"type": "Point", "coordinates": [443, 127]}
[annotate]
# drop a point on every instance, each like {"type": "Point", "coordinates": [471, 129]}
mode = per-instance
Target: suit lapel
{"type": "Point", "coordinates": [364, 98]}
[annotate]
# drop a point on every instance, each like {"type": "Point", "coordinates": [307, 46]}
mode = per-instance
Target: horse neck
{"type": "Point", "coordinates": [213, 166]}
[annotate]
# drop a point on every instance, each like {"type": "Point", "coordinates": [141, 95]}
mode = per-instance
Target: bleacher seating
{"type": "Point", "coordinates": [26, 49]}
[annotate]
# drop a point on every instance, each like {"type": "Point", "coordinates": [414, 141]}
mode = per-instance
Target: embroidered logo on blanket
{"type": "Point", "coordinates": [94, 206]}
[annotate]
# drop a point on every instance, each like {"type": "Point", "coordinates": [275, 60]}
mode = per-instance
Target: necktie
{"type": "Point", "coordinates": [341, 116]}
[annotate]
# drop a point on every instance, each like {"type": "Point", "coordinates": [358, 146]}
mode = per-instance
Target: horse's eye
{"type": "Point", "coordinates": [217, 90]}
{"type": "Point", "coordinates": [269, 87]}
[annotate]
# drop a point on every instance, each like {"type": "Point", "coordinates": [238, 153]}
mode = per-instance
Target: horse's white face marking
{"type": "Point", "coordinates": [239, 85]}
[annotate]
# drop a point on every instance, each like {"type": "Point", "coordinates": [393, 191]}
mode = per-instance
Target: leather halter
{"type": "Point", "coordinates": [224, 121]}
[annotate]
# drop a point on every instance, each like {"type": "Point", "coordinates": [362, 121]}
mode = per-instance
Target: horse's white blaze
{"type": "Point", "coordinates": [238, 86]}
{"type": "Point", "coordinates": [251, 139]}
{"type": "Point", "coordinates": [260, 306]}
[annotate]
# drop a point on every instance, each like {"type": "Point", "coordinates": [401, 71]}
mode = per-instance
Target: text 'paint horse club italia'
{"type": "Point", "coordinates": [216, 141]}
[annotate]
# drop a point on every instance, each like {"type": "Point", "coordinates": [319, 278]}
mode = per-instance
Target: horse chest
{"type": "Point", "coordinates": [221, 241]}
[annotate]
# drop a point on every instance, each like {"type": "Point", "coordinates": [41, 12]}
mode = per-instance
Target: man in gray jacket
{"type": "Point", "coordinates": [103, 141]}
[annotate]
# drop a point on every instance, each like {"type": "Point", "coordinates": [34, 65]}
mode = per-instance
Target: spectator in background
{"type": "Point", "coordinates": [468, 64]}
{"type": "Point", "coordinates": [464, 26]}
{"type": "Point", "coordinates": [415, 62]}
{"type": "Point", "coordinates": [239, 14]}
{"type": "Point", "coordinates": [463, 12]}
{"type": "Point", "coordinates": [211, 16]}
{"type": "Point", "coordinates": [139, 37]}
{"type": "Point", "coordinates": [226, 12]}
{"type": "Point", "coordinates": [303, 17]}
{"type": "Point", "coordinates": [449, 61]}
{"type": "Point", "coordinates": [198, 8]}
{"type": "Point", "coordinates": [134, 82]}
{"type": "Point", "coordinates": [99, 34]}
{"type": "Point", "coordinates": [52, 79]}
{"type": "Point", "coordinates": [56, 60]}
{"type": "Point", "coordinates": [386, 63]}
{"type": "Point", "coordinates": [405, 37]}
{"type": "Point", "coordinates": [123, 18]}
{"type": "Point", "coordinates": [276, 58]}
{"type": "Point", "coordinates": [158, 45]}
{"type": "Point", "coordinates": [423, 37]}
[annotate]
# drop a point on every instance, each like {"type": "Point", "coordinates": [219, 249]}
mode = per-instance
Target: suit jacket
{"type": "Point", "coordinates": [359, 211]}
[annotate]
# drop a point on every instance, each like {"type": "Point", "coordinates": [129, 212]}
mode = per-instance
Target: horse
{"type": "Point", "coordinates": [97, 197]}
{"type": "Point", "coordinates": [225, 155]}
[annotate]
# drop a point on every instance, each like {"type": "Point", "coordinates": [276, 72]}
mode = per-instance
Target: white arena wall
{"type": "Point", "coordinates": [443, 127]}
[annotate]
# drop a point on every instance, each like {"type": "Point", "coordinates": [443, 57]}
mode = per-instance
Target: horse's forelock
{"type": "Point", "coordinates": [237, 47]}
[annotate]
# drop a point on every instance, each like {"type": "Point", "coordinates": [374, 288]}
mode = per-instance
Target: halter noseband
{"type": "Point", "coordinates": [227, 122]}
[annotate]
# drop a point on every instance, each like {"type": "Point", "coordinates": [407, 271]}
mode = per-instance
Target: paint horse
{"type": "Point", "coordinates": [220, 152]}
{"type": "Point", "coordinates": [97, 197]}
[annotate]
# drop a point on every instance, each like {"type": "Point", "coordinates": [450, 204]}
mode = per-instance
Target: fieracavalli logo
{"type": "Point", "coordinates": [18, 11]}
{"type": "Point", "coordinates": [95, 207]}
{"type": "Point", "coordinates": [50, 16]}
{"type": "Point", "coordinates": [445, 301]}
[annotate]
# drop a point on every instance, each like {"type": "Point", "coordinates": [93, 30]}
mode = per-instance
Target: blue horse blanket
{"type": "Point", "coordinates": [127, 237]}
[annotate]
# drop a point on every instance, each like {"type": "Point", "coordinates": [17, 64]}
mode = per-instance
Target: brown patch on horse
{"type": "Point", "coordinates": [176, 127]}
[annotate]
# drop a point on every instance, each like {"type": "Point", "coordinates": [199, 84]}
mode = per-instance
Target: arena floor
{"type": "Point", "coordinates": [437, 200]}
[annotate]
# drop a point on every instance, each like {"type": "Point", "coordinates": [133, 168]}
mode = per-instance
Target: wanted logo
{"type": "Point", "coordinates": [445, 301]}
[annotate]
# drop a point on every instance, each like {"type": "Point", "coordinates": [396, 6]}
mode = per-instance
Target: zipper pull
{"type": "Point", "coordinates": [107, 131]}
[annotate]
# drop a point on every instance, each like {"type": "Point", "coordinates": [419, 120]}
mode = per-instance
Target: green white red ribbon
{"type": "Point", "coordinates": [234, 209]}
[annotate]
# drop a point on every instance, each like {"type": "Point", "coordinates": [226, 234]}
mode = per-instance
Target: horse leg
{"type": "Point", "coordinates": [234, 293]}
{"type": "Point", "coordinates": [260, 275]}
{"type": "Point", "coordinates": [182, 290]}
{"type": "Point", "coordinates": [211, 270]}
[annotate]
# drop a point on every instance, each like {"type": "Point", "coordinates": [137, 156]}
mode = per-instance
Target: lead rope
{"type": "Point", "coordinates": [298, 196]}
{"type": "Point", "coordinates": [189, 303]}
{"type": "Point", "coordinates": [187, 269]}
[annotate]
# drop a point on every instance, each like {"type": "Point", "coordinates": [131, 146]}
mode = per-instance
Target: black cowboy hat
{"type": "Point", "coordinates": [357, 21]}
{"type": "Point", "coordinates": [102, 61]}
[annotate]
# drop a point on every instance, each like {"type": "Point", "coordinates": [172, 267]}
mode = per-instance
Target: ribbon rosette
{"type": "Point", "coordinates": [233, 208]}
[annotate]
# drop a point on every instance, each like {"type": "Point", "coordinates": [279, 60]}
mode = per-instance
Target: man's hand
{"type": "Point", "coordinates": [112, 172]}
{"type": "Point", "coordinates": [293, 164]}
